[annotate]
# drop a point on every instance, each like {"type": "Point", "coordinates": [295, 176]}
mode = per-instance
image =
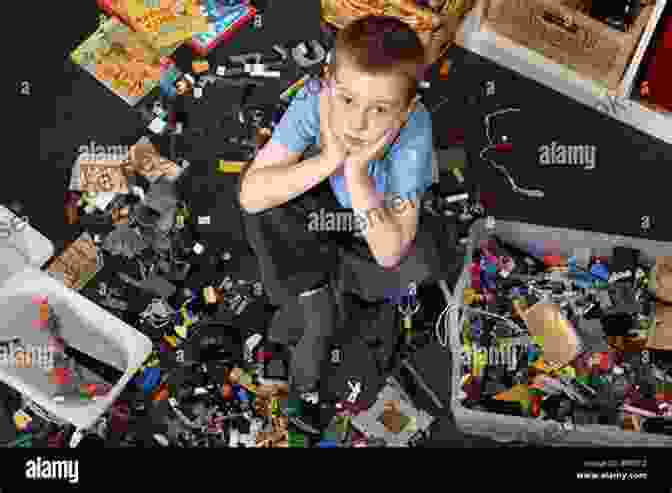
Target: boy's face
{"type": "Point", "coordinates": [365, 106]}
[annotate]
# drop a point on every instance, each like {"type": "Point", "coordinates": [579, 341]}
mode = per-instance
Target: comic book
{"type": "Point", "coordinates": [123, 61]}
{"type": "Point", "coordinates": [165, 22]}
{"type": "Point", "coordinates": [226, 17]}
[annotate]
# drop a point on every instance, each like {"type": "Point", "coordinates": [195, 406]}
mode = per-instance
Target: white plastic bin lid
{"type": "Point", "coordinates": [11, 261]}
{"type": "Point", "coordinates": [33, 245]}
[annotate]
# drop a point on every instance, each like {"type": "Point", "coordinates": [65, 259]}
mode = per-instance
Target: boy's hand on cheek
{"type": "Point", "coordinates": [358, 163]}
{"type": "Point", "coordinates": [332, 147]}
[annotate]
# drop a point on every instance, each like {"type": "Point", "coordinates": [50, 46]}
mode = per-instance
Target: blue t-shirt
{"type": "Point", "coordinates": [406, 171]}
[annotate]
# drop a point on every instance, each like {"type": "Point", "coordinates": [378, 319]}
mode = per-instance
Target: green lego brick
{"type": "Point", "coordinates": [297, 440]}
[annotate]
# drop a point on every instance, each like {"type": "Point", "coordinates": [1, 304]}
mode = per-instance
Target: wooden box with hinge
{"type": "Point", "coordinates": [564, 32]}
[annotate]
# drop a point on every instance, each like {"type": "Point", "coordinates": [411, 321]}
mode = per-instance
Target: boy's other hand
{"type": "Point", "coordinates": [358, 163]}
{"type": "Point", "coordinates": [332, 147]}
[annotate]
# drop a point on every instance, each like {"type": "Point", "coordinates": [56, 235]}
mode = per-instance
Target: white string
{"type": "Point", "coordinates": [443, 338]}
{"type": "Point", "coordinates": [491, 145]}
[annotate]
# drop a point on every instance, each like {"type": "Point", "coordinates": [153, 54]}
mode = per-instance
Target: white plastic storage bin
{"type": "Point", "coordinates": [506, 428]}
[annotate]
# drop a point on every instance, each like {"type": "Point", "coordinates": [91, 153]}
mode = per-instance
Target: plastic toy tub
{"type": "Point", "coordinates": [542, 240]}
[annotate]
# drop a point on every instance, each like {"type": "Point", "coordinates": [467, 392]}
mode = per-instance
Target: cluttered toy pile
{"type": "Point", "coordinates": [578, 340]}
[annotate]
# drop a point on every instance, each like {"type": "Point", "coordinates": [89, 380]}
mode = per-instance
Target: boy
{"type": "Point", "coordinates": [376, 152]}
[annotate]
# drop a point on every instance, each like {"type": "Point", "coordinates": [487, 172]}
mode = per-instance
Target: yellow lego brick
{"type": "Point", "coordinates": [172, 340]}
{"type": "Point", "coordinates": [230, 166]}
{"type": "Point", "coordinates": [479, 362]}
{"type": "Point", "coordinates": [181, 331]}
{"type": "Point", "coordinates": [22, 420]}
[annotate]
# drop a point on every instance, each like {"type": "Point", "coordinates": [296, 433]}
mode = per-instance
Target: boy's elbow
{"type": "Point", "coordinates": [244, 201]}
{"type": "Point", "coordinates": [248, 207]}
{"type": "Point", "coordinates": [389, 263]}
{"type": "Point", "coordinates": [394, 260]}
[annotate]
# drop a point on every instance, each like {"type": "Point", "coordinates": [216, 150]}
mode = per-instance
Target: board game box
{"type": "Point", "coordinates": [226, 17]}
{"type": "Point", "coordinates": [123, 61]}
{"type": "Point", "coordinates": [165, 22]}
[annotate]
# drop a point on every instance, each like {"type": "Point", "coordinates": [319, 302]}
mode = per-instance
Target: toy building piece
{"type": "Point", "coordinates": [445, 69]}
{"type": "Point", "coordinates": [72, 208]}
{"type": "Point", "coordinates": [124, 241]}
{"type": "Point", "coordinates": [200, 66]}
{"type": "Point", "coordinates": [184, 85]}
{"type": "Point", "coordinates": [309, 54]}
{"type": "Point", "coordinates": [162, 196]}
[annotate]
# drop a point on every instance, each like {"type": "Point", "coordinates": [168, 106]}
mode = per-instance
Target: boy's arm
{"type": "Point", "coordinates": [391, 225]}
{"type": "Point", "coordinates": [277, 174]}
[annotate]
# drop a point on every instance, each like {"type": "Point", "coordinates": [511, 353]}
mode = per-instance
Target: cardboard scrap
{"type": "Point", "coordinates": [78, 264]}
{"type": "Point", "coordinates": [102, 175]}
{"type": "Point", "coordinates": [660, 336]}
{"type": "Point", "coordinates": [146, 161]}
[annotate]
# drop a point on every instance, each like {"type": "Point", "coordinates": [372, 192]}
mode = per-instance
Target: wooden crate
{"type": "Point", "coordinates": [567, 36]}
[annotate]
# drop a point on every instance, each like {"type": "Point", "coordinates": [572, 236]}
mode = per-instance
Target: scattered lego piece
{"type": "Point", "coordinates": [158, 126]}
{"type": "Point", "coordinates": [445, 69]}
{"type": "Point", "coordinates": [200, 66]}
{"type": "Point", "coordinates": [230, 166]}
{"type": "Point", "coordinates": [301, 54]}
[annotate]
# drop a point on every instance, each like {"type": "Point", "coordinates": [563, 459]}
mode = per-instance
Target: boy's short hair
{"type": "Point", "coordinates": [381, 45]}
